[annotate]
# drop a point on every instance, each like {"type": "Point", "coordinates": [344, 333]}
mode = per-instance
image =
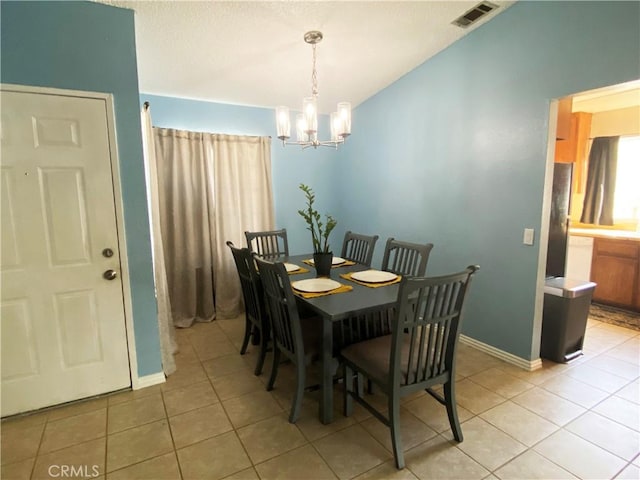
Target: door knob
{"type": "Point", "coordinates": [110, 274]}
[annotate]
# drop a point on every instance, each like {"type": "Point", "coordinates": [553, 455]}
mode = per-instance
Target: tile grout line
{"type": "Point", "coordinates": [35, 460]}
{"type": "Point", "coordinates": [609, 395]}
{"type": "Point", "coordinates": [235, 430]}
{"type": "Point", "coordinates": [173, 442]}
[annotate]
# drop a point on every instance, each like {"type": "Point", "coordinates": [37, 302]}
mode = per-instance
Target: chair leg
{"type": "Point", "coordinates": [248, 327]}
{"type": "Point", "coordinates": [274, 367]}
{"type": "Point", "coordinates": [297, 398]}
{"type": "Point", "coordinates": [452, 410]}
{"type": "Point", "coordinates": [256, 336]}
{"type": "Point", "coordinates": [264, 343]}
{"type": "Point", "coordinates": [369, 386]}
{"type": "Point", "coordinates": [394, 421]}
{"type": "Point", "coordinates": [348, 388]}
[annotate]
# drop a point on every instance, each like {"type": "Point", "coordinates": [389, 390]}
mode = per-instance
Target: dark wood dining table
{"type": "Point", "coordinates": [336, 307]}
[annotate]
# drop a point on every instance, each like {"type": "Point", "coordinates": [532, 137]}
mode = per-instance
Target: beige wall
{"type": "Point", "coordinates": [625, 121]}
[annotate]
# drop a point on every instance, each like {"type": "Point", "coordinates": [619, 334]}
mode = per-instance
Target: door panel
{"type": "Point", "coordinates": [76, 314]}
{"type": "Point", "coordinates": [10, 251]}
{"type": "Point", "coordinates": [19, 349]}
{"type": "Point", "coordinates": [63, 194]}
{"type": "Point", "coordinates": [63, 324]}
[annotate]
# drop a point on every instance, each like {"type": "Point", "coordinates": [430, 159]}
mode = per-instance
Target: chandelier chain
{"type": "Point", "coordinates": [314, 74]}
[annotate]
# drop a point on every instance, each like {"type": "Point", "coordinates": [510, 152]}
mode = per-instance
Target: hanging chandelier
{"type": "Point", "coordinates": [307, 121]}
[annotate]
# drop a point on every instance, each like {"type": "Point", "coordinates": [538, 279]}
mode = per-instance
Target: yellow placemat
{"type": "Point", "coordinates": [370, 285]}
{"type": "Point", "coordinates": [341, 289]}
{"type": "Point", "coordinates": [300, 270]}
{"type": "Point", "coordinates": [346, 263]}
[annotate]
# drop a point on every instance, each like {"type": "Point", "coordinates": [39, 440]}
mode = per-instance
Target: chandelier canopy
{"type": "Point", "coordinates": [307, 121]}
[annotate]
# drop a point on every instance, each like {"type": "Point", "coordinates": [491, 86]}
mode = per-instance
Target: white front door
{"type": "Point", "coordinates": [62, 313]}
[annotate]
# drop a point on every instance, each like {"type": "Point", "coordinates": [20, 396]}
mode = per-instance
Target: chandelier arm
{"type": "Point", "coordinates": [307, 144]}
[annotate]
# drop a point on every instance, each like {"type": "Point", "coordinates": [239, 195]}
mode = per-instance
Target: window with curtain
{"type": "Point", "coordinates": [211, 188]}
{"type": "Point", "coordinates": [612, 195]}
{"type": "Point", "coordinates": [626, 204]}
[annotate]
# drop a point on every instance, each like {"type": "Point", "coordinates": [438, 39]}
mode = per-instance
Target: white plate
{"type": "Point", "coordinates": [316, 285]}
{"type": "Point", "coordinates": [374, 276]}
{"type": "Point", "coordinates": [334, 261]}
{"type": "Point", "coordinates": [291, 267]}
{"type": "Point", "coordinates": [337, 261]}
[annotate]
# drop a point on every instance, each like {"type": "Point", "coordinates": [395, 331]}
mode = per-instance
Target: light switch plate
{"type": "Point", "coordinates": [528, 236]}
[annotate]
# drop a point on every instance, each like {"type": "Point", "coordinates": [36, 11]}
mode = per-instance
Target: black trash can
{"type": "Point", "coordinates": [564, 318]}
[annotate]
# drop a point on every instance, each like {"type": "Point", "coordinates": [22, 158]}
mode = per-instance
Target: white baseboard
{"type": "Point", "coordinates": [147, 381]}
{"type": "Point", "coordinates": [529, 365]}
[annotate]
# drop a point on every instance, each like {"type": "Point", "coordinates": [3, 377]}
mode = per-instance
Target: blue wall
{"type": "Point", "coordinates": [91, 47]}
{"type": "Point", "coordinates": [460, 163]}
{"type": "Point", "coordinates": [454, 152]}
{"type": "Point", "coordinates": [290, 165]}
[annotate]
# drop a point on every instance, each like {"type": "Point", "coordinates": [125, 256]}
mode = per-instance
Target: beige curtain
{"type": "Point", "coordinates": [168, 345]}
{"type": "Point", "coordinates": [213, 187]}
{"type": "Point", "coordinates": [244, 201]}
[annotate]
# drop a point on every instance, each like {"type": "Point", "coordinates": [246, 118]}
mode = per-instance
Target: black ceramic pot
{"type": "Point", "coordinates": [322, 262]}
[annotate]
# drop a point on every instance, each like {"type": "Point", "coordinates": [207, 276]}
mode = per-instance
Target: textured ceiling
{"type": "Point", "coordinates": [253, 53]}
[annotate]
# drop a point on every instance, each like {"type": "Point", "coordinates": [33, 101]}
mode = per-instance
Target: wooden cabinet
{"type": "Point", "coordinates": [563, 129]}
{"type": "Point", "coordinates": [575, 149]}
{"type": "Point", "coordinates": [615, 268]}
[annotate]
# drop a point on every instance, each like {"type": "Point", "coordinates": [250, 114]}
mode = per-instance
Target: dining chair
{"type": "Point", "coordinates": [419, 354]}
{"type": "Point", "coordinates": [256, 318]}
{"type": "Point", "coordinates": [358, 248]}
{"type": "Point", "coordinates": [269, 244]}
{"type": "Point", "coordinates": [297, 338]}
{"type": "Point", "coordinates": [401, 258]}
{"type": "Point", "coordinates": [405, 258]}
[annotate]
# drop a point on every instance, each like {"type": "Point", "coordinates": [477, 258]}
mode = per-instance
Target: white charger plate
{"type": "Point", "coordinates": [291, 267]}
{"type": "Point", "coordinates": [316, 285]}
{"type": "Point", "coordinates": [373, 276]}
{"type": "Point", "coordinates": [334, 261]}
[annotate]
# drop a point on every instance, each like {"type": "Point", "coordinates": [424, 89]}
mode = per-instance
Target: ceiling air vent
{"type": "Point", "coordinates": [475, 14]}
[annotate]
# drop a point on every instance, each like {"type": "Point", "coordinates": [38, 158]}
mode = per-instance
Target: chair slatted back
{"type": "Point", "coordinates": [363, 327]}
{"type": "Point", "coordinates": [249, 282]}
{"type": "Point", "coordinates": [427, 326]}
{"type": "Point", "coordinates": [405, 258]}
{"type": "Point", "coordinates": [358, 248]}
{"type": "Point", "coordinates": [269, 244]}
{"type": "Point", "coordinates": [282, 308]}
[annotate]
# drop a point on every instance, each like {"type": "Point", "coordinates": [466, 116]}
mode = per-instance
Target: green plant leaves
{"type": "Point", "coordinates": [319, 235]}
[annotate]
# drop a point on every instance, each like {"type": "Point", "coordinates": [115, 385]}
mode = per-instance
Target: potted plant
{"type": "Point", "coordinates": [322, 256]}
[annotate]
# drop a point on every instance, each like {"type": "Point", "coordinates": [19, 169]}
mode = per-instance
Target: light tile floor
{"type": "Point", "coordinates": [213, 419]}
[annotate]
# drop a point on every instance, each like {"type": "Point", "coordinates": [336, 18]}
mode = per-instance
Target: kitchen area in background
{"type": "Point", "coordinates": [606, 255]}
{"type": "Point", "coordinates": [593, 247]}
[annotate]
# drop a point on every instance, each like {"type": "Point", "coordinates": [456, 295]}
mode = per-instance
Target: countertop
{"type": "Point", "coordinates": [605, 233]}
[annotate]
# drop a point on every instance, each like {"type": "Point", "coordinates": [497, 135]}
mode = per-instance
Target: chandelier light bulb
{"type": "Point", "coordinates": [283, 123]}
{"type": "Point", "coordinates": [301, 128]}
{"type": "Point", "coordinates": [336, 126]}
{"type": "Point", "coordinates": [344, 110]}
{"type": "Point", "coordinates": [309, 108]}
